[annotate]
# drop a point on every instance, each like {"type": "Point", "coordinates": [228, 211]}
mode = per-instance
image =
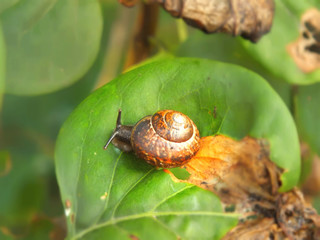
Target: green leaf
{"type": "Point", "coordinates": [114, 194]}
{"type": "Point", "coordinates": [271, 50]}
{"type": "Point", "coordinates": [50, 44]}
{"type": "Point", "coordinates": [307, 114]}
{"type": "Point", "coordinates": [228, 49]}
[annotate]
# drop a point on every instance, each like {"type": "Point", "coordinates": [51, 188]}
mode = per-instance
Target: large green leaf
{"type": "Point", "coordinates": [113, 194]}
{"type": "Point", "coordinates": [271, 50]}
{"type": "Point", "coordinates": [50, 44]}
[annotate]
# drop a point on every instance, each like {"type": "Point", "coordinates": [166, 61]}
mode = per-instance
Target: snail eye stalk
{"type": "Point", "coordinates": [116, 131]}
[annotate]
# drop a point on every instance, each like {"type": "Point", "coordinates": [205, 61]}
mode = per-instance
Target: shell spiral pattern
{"type": "Point", "coordinates": [167, 139]}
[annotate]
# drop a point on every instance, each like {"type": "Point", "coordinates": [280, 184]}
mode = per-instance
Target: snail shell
{"type": "Point", "coordinates": [166, 139]}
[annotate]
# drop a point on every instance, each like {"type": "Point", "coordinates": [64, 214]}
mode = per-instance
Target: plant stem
{"type": "Point", "coordinates": [140, 47]}
{"type": "Point", "coordinates": [182, 30]}
{"type": "Point", "coordinates": [119, 33]}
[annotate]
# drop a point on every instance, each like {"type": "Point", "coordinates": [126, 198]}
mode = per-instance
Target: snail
{"type": "Point", "coordinates": [166, 139]}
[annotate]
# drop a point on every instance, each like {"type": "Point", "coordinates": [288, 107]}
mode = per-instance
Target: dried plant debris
{"type": "Point", "coordinates": [305, 51]}
{"type": "Point", "coordinates": [247, 18]}
{"type": "Point", "coordinates": [257, 229]}
{"type": "Point", "coordinates": [297, 219]}
{"type": "Point", "coordinates": [244, 178]}
{"type": "Point", "coordinates": [236, 171]}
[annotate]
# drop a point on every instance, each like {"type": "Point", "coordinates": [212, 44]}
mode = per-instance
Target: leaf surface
{"type": "Point", "coordinates": [114, 194]}
{"type": "Point", "coordinates": [50, 44]}
{"type": "Point", "coordinates": [272, 49]}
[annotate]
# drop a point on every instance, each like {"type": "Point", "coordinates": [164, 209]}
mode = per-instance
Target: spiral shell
{"type": "Point", "coordinates": [167, 139]}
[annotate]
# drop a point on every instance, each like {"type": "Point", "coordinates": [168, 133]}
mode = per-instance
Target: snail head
{"type": "Point", "coordinates": [120, 136]}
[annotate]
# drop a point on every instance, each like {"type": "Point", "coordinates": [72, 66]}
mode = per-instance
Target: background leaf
{"type": "Point", "coordinates": [50, 44]}
{"type": "Point", "coordinates": [104, 191]}
{"type": "Point", "coordinates": [29, 127]}
{"type": "Point", "coordinates": [271, 50]}
{"type": "Point", "coordinates": [228, 49]}
{"type": "Point", "coordinates": [307, 115]}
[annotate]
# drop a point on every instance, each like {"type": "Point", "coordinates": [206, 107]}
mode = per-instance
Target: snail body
{"type": "Point", "coordinates": [166, 139]}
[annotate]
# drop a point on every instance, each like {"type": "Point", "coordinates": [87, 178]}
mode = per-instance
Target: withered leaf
{"type": "Point", "coordinates": [250, 19]}
{"type": "Point", "coordinates": [247, 18]}
{"type": "Point", "coordinates": [242, 175]}
{"type": "Point", "coordinates": [234, 170]}
{"type": "Point", "coordinates": [297, 219]}
{"type": "Point", "coordinates": [305, 51]}
{"type": "Point", "coordinates": [259, 229]}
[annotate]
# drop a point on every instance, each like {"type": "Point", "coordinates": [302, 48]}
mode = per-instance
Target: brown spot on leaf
{"type": "Point", "coordinates": [215, 112]}
{"type": "Point", "coordinates": [305, 35]}
{"type": "Point", "coordinates": [305, 51]}
{"type": "Point", "coordinates": [314, 48]}
{"type": "Point", "coordinates": [68, 203]}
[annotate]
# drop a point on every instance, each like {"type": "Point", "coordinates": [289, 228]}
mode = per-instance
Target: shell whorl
{"type": "Point", "coordinates": [167, 139]}
{"type": "Point", "coordinates": [172, 125]}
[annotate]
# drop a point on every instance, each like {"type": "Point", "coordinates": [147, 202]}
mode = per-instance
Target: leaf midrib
{"type": "Point", "coordinates": [153, 214]}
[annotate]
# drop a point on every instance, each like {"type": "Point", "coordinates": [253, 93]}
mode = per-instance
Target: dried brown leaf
{"type": "Point", "coordinates": [247, 18]}
{"type": "Point", "coordinates": [237, 171]}
{"type": "Point", "coordinates": [305, 51]}
{"type": "Point", "coordinates": [259, 229]}
{"type": "Point", "coordinates": [242, 175]}
{"type": "Point", "coordinates": [297, 219]}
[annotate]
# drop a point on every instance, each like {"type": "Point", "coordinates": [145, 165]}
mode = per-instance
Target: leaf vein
{"type": "Point", "coordinates": [81, 150]}
{"type": "Point", "coordinates": [155, 214]}
{"type": "Point", "coordinates": [171, 196]}
{"type": "Point", "coordinates": [129, 190]}
{"type": "Point", "coordinates": [110, 186]}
